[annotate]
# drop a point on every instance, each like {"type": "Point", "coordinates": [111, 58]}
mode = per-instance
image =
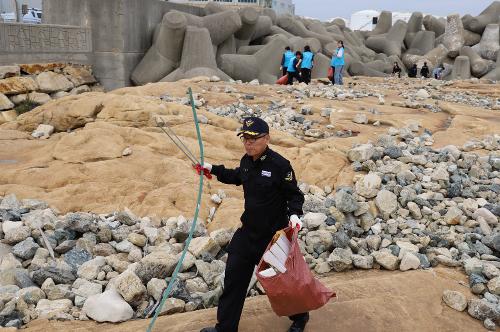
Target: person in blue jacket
{"type": "Point", "coordinates": [285, 60]}
{"type": "Point", "coordinates": [338, 63]}
{"type": "Point", "coordinates": [307, 65]}
{"type": "Point", "coordinates": [294, 68]}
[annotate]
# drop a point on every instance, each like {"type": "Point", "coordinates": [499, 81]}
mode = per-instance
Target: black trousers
{"type": "Point", "coordinates": [292, 75]}
{"type": "Point", "coordinates": [284, 71]}
{"type": "Point", "coordinates": [306, 75]}
{"type": "Point", "coordinates": [239, 271]}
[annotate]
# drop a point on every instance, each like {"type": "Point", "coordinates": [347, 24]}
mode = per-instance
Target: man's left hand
{"type": "Point", "coordinates": [295, 221]}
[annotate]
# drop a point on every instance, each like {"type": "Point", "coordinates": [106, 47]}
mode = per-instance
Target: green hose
{"type": "Point", "coordinates": [166, 294]}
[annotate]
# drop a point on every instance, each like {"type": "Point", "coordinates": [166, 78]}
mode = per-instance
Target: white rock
{"type": "Point", "coordinates": [422, 94]}
{"type": "Point", "coordinates": [455, 300]}
{"type": "Point", "coordinates": [43, 131]}
{"type": "Point", "coordinates": [313, 220]}
{"type": "Point", "coordinates": [369, 185]}
{"type": "Point", "coordinates": [487, 215]}
{"type": "Point", "coordinates": [203, 245]}
{"type": "Point", "coordinates": [361, 153]}
{"type": "Point", "coordinates": [47, 309]}
{"type": "Point", "coordinates": [387, 203]}
{"type": "Point", "coordinates": [360, 118]}
{"type": "Point", "coordinates": [386, 259]}
{"type": "Point", "coordinates": [409, 262]}
{"type": "Point", "coordinates": [108, 307]}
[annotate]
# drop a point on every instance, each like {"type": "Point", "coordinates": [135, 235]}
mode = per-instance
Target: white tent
{"type": "Point", "coordinates": [363, 20]}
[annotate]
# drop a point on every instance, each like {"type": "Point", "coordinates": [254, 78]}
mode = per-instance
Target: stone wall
{"type": "Point", "coordinates": [110, 35]}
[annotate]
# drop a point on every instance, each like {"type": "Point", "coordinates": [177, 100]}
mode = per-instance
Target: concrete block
{"type": "Point", "coordinates": [414, 26]}
{"type": "Point", "coordinates": [489, 44]}
{"type": "Point", "coordinates": [461, 68]}
{"type": "Point", "coordinates": [453, 38]}
{"type": "Point", "coordinates": [478, 66]}
{"type": "Point", "coordinates": [164, 55]}
{"type": "Point", "coordinates": [432, 23]}
{"type": "Point", "coordinates": [198, 57]}
{"type": "Point", "coordinates": [297, 28]}
{"type": "Point", "coordinates": [384, 24]}
{"type": "Point", "coordinates": [389, 43]}
{"type": "Point", "coordinates": [487, 16]}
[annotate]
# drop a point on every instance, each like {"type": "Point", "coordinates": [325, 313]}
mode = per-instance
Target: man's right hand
{"type": "Point", "coordinates": [206, 169]}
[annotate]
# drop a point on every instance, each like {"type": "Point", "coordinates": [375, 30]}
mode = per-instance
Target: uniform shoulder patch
{"type": "Point", "coordinates": [289, 176]}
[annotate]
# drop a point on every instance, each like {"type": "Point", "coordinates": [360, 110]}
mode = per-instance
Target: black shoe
{"type": "Point", "coordinates": [209, 329]}
{"type": "Point", "coordinates": [299, 325]}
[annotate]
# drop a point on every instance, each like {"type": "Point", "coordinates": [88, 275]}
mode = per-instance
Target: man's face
{"type": "Point", "coordinates": [255, 146]}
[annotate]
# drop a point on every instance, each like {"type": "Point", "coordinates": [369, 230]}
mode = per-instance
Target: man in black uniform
{"type": "Point", "coordinates": [272, 199]}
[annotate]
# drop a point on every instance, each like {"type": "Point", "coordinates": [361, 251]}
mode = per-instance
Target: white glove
{"type": "Point", "coordinates": [207, 166]}
{"type": "Point", "coordinates": [294, 220]}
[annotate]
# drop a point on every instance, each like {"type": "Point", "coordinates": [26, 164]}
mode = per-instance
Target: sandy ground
{"type": "Point", "coordinates": [81, 168]}
{"type": "Point", "coordinates": [367, 301]}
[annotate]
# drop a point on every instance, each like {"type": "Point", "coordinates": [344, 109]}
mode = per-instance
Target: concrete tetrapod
{"type": "Point", "coordinates": [432, 23]}
{"type": "Point", "coordinates": [489, 44]}
{"type": "Point", "coordinates": [165, 53]}
{"type": "Point", "coordinates": [298, 44]}
{"type": "Point", "coordinates": [434, 57]}
{"type": "Point", "coordinates": [471, 38]}
{"type": "Point", "coordinates": [214, 8]}
{"type": "Point", "coordinates": [321, 66]}
{"type": "Point", "coordinates": [461, 68]}
{"type": "Point", "coordinates": [220, 25]}
{"type": "Point", "coordinates": [380, 65]}
{"type": "Point", "coordinates": [487, 16]}
{"type": "Point", "coordinates": [453, 38]}
{"type": "Point", "coordinates": [422, 43]}
{"type": "Point", "coordinates": [360, 69]}
{"type": "Point", "coordinates": [478, 66]}
{"type": "Point", "coordinates": [198, 57]}
{"type": "Point", "coordinates": [227, 47]}
{"type": "Point", "coordinates": [390, 43]}
{"type": "Point", "coordinates": [384, 24]}
{"type": "Point", "coordinates": [263, 65]}
{"type": "Point", "coordinates": [339, 22]}
{"type": "Point", "coordinates": [414, 26]}
{"type": "Point", "coordinates": [271, 14]}
{"type": "Point", "coordinates": [249, 18]}
{"type": "Point", "coordinates": [262, 28]}
{"type": "Point", "coordinates": [495, 73]}
{"type": "Point", "coordinates": [276, 30]}
{"type": "Point", "coordinates": [297, 28]}
{"type": "Point", "coordinates": [249, 50]}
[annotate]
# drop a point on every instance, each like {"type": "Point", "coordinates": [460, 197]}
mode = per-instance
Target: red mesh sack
{"type": "Point", "coordinates": [295, 291]}
{"type": "Point", "coordinates": [330, 73]}
{"type": "Point", "coordinates": [283, 80]}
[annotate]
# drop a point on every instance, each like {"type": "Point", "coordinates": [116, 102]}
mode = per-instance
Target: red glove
{"type": "Point", "coordinates": [206, 171]}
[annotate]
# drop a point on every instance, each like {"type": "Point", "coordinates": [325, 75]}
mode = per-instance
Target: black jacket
{"type": "Point", "coordinates": [271, 197]}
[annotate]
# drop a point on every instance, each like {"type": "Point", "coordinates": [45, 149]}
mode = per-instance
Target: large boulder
{"type": "Point", "coordinates": [108, 307]}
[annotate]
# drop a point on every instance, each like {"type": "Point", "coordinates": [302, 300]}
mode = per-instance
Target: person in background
{"type": "Point", "coordinates": [338, 63]}
{"type": "Point", "coordinates": [396, 70]}
{"type": "Point", "coordinates": [413, 71]}
{"type": "Point", "coordinates": [294, 67]}
{"type": "Point", "coordinates": [307, 65]}
{"type": "Point", "coordinates": [285, 60]}
{"type": "Point", "coordinates": [438, 72]}
{"type": "Point", "coordinates": [424, 71]}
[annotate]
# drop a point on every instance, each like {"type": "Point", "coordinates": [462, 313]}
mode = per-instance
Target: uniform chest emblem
{"type": "Point", "coordinates": [266, 174]}
{"type": "Point", "coordinates": [289, 176]}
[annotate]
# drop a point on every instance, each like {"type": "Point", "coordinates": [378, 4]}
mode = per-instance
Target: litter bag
{"type": "Point", "coordinates": [330, 73]}
{"type": "Point", "coordinates": [296, 290]}
{"type": "Point", "coordinates": [282, 80]}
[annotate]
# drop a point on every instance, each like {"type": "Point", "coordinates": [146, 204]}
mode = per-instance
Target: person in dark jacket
{"type": "Point", "coordinates": [307, 65]}
{"type": "Point", "coordinates": [272, 201]}
{"type": "Point", "coordinates": [396, 70]}
{"type": "Point", "coordinates": [424, 71]}
{"type": "Point", "coordinates": [293, 69]}
{"type": "Point", "coordinates": [285, 60]}
{"type": "Point", "coordinates": [413, 71]}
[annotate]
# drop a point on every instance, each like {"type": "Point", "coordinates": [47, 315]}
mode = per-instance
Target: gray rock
{"type": "Point", "coordinates": [386, 260]}
{"type": "Point", "coordinates": [158, 264]}
{"type": "Point", "coordinates": [340, 240]}
{"type": "Point", "coordinates": [76, 257]}
{"type": "Point", "coordinates": [345, 202]}
{"type": "Point", "coordinates": [362, 262]}
{"type": "Point", "coordinates": [212, 272]}
{"type": "Point", "coordinates": [320, 240]}
{"type": "Point", "coordinates": [455, 300]}
{"type": "Point", "coordinates": [47, 309]}
{"type": "Point", "coordinates": [25, 249]}
{"type": "Point", "coordinates": [59, 271]}
{"type": "Point", "coordinates": [480, 309]}
{"type": "Point", "coordinates": [340, 259]}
